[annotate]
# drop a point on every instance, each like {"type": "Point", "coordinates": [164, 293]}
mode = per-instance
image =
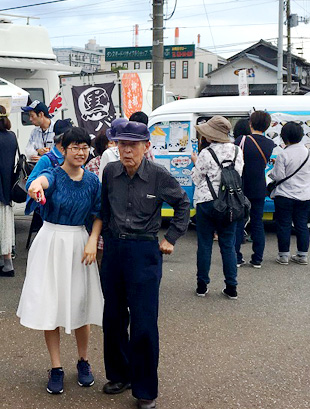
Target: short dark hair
{"type": "Point", "coordinates": [242, 127]}
{"type": "Point", "coordinates": [139, 116]}
{"type": "Point", "coordinates": [101, 143]}
{"type": "Point", "coordinates": [76, 135]}
{"type": "Point", "coordinates": [292, 132]}
{"type": "Point", "coordinates": [260, 121]}
{"type": "Point", "coordinates": [5, 123]}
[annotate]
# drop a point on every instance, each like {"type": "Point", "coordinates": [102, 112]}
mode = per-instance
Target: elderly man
{"type": "Point", "coordinates": [133, 190]}
{"type": "Point", "coordinates": [42, 137]}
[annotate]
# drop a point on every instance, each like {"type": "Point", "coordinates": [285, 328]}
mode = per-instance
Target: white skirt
{"type": "Point", "coordinates": [7, 234]}
{"type": "Point", "coordinates": [60, 291]}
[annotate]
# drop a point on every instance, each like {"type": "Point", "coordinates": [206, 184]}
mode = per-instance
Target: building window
{"type": "Point", "coordinates": [185, 69]}
{"type": "Point", "coordinates": [209, 68]}
{"type": "Point", "coordinates": [201, 69]}
{"type": "Point", "coordinates": [34, 94]}
{"type": "Point", "coordinates": [148, 65]}
{"type": "Point", "coordinates": [136, 65]}
{"type": "Point", "coordinates": [125, 65]}
{"type": "Point", "coordinates": [113, 65]}
{"type": "Point", "coordinates": [172, 70]}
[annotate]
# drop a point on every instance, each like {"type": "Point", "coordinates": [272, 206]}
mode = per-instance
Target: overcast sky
{"type": "Point", "coordinates": [226, 26]}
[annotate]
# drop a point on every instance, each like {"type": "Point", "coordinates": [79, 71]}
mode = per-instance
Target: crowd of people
{"type": "Point", "coordinates": [97, 259]}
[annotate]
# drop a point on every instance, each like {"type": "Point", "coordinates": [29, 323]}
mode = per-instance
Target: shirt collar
{"type": "Point", "coordinates": [50, 129]}
{"type": "Point", "coordinates": [57, 152]}
{"type": "Point", "coordinates": [141, 172]}
{"type": "Point", "coordinates": [295, 145]}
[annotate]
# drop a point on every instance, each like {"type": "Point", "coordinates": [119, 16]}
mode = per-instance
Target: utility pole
{"type": "Point", "coordinates": [280, 50]}
{"type": "Point", "coordinates": [289, 49]}
{"type": "Point", "coordinates": [158, 52]}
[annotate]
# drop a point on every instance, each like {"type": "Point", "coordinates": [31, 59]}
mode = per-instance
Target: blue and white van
{"type": "Point", "coordinates": [174, 137]}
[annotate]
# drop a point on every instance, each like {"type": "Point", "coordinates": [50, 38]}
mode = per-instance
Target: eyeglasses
{"type": "Point", "coordinates": [77, 149]}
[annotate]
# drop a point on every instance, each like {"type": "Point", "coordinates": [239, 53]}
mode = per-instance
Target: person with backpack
{"type": "Point", "coordinates": [207, 174]}
{"type": "Point", "coordinates": [257, 150]}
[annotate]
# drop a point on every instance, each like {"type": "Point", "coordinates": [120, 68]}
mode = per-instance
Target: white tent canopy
{"type": "Point", "coordinates": [12, 97]}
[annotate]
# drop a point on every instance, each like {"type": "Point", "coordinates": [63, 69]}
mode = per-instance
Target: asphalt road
{"type": "Point", "coordinates": [215, 353]}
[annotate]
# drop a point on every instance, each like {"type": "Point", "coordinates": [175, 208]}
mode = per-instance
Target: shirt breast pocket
{"type": "Point", "coordinates": [148, 204]}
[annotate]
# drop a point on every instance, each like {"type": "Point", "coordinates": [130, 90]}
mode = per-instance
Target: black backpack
{"type": "Point", "coordinates": [230, 205]}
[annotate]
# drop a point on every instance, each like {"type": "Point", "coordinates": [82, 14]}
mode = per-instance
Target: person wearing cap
{"type": "Point", "coordinates": [55, 157]}
{"type": "Point", "coordinates": [112, 153]}
{"type": "Point", "coordinates": [42, 136]}
{"type": "Point", "coordinates": [215, 131]}
{"type": "Point", "coordinates": [133, 191]}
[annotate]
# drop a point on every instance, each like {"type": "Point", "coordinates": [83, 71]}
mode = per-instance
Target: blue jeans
{"type": "Point", "coordinates": [205, 230]}
{"type": "Point", "coordinates": [257, 232]}
{"type": "Point", "coordinates": [286, 211]}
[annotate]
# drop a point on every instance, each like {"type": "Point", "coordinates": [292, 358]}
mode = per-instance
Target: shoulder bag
{"type": "Point", "coordinates": [272, 185]}
{"type": "Point", "coordinates": [255, 143]}
{"type": "Point", "coordinates": [21, 172]}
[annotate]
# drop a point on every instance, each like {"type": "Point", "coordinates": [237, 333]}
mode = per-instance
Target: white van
{"type": "Point", "coordinates": [27, 60]}
{"type": "Point", "coordinates": [174, 137]}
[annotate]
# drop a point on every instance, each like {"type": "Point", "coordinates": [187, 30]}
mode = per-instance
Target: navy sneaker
{"type": "Point", "coordinates": [202, 289]}
{"type": "Point", "coordinates": [55, 381]}
{"type": "Point", "coordinates": [255, 264]}
{"type": "Point", "coordinates": [241, 263]}
{"type": "Point", "coordinates": [230, 292]}
{"type": "Point", "coordinates": [85, 376]}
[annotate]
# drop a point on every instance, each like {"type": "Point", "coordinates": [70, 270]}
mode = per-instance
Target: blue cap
{"type": "Point", "coordinates": [62, 125]}
{"type": "Point", "coordinates": [123, 130]}
{"type": "Point", "coordinates": [37, 107]}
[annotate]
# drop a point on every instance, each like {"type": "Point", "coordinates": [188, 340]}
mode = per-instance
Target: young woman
{"type": "Point", "coordinates": [8, 147]}
{"type": "Point", "coordinates": [292, 197]}
{"type": "Point", "coordinates": [62, 286]}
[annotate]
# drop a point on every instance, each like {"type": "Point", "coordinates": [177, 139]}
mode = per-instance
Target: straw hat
{"type": "Point", "coordinates": [215, 130]}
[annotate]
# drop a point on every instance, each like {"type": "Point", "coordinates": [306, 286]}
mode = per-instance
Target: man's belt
{"type": "Point", "coordinates": [135, 236]}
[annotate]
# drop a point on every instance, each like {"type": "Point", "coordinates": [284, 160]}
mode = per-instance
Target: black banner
{"type": "Point", "coordinates": [94, 107]}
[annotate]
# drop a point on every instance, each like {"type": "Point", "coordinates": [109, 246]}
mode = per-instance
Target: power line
{"type": "Point", "coordinates": [32, 5]}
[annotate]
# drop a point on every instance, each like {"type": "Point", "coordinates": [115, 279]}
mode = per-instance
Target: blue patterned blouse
{"type": "Point", "coordinates": [70, 202]}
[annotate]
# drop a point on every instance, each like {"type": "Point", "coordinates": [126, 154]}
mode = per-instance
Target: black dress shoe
{"type": "Point", "coordinates": [112, 388]}
{"type": "Point", "coordinates": [146, 404]}
{"type": "Point", "coordinates": [7, 273]}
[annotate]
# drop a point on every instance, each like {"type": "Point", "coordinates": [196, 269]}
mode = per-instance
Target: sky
{"type": "Point", "coordinates": [225, 26]}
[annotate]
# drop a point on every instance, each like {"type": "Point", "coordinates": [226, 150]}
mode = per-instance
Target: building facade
{"type": "Point", "coordinates": [88, 60]}
{"type": "Point", "coordinates": [185, 66]}
{"type": "Point", "coordinates": [260, 61]}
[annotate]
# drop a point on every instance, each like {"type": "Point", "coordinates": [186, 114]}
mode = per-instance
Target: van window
{"type": "Point", "coordinates": [34, 94]}
{"type": "Point", "coordinates": [172, 145]}
{"type": "Point", "coordinates": [172, 136]}
{"type": "Point", "coordinates": [232, 119]}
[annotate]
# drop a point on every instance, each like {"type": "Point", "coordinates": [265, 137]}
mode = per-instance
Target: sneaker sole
{"type": "Point", "coordinates": [282, 262]}
{"type": "Point", "coordinates": [86, 385]}
{"type": "Point", "coordinates": [54, 393]}
{"type": "Point", "coordinates": [256, 265]}
{"type": "Point", "coordinates": [202, 295]}
{"type": "Point", "coordinates": [300, 263]}
{"type": "Point", "coordinates": [240, 265]}
{"type": "Point", "coordinates": [127, 386]}
{"type": "Point", "coordinates": [229, 296]}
